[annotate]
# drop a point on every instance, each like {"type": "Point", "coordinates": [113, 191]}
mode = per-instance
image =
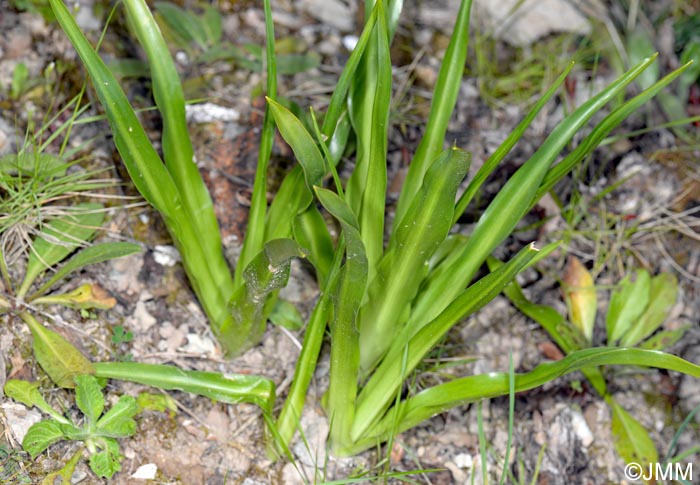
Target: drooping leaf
{"type": "Point", "coordinates": [118, 422]}
{"type": "Point", "coordinates": [40, 436]}
{"type": "Point", "coordinates": [580, 297]}
{"type": "Point", "coordinates": [627, 303]}
{"type": "Point", "coordinates": [632, 442]}
{"type": "Point", "coordinates": [85, 257]}
{"type": "Point", "coordinates": [663, 292]}
{"type": "Point", "coordinates": [88, 397]}
{"type": "Point", "coordinates": [59, 359]}
{"type": "Point", "coordinates": [228, 388]}
{"type": "Point", "coordinates": [347, 297]}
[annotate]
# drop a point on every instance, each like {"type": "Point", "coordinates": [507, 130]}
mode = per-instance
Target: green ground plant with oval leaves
{"type": "Point", "coordinates": [386, 305]}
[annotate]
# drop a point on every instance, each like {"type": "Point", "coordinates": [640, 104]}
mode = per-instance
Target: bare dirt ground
{"type": "Point", "coordinates": [210, 443]}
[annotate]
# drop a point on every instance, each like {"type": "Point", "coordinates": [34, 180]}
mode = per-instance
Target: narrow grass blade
{"type": "Point", "coordinates": [473, 388]}
{"type": "Point", "coordinates": [593, 139]}
{"type": "Point", "coordinates": [59, 238]}
{"type": "Point", "coordinates": [403, 267]}
{"type": "Point", "coordinates": [508, 207]}
{"type": "Point", "coordinates": [228, 388]}
{"type": "Point", "coordinates": [347, 296]}
{"type": "Point", "coordinates": [504, 148]}
{"type": "Point", "coordinates": [389, 375]}
{"type": "Point", "coordinates": [255, 233]}
{"type": "Point", "coordinates": [444, 100]}
{"type": "Point", "coordinates": [370, 97]}
{"type": "Point", "coordinates": [90, 255]}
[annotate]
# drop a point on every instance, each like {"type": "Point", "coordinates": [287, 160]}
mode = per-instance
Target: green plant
{"type": "Point", "coordinates": [99, 431]}
{"type": "Point", "coordinates": [386, 306]}
{"type": "Point", "coordinates": [636, 311]}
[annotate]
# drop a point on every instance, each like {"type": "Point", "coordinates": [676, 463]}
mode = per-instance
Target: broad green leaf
{"type": "Point", "coordinates": [59, 238]}
{"type": "Point", "coordinates": [415, 238]}
{"type": "Point", "coordinates": [59, 359]}
{"type": "Point", "coordinates": [409, 349]}
{"type": "Point", "coordinates": [87, 256]}
{"type": "Point", "coordinates": [663, 292]}
{"type": "Point", "coordinates": [443, 103]}
{"type": "Point", "coordinates": [107, 461]}
{"type": "Point", "coordinates": [347, 296]}
{"type": "Point", "coordinates": [118, 422]}
{"type": "Point", "coordinates": [580, 297]}
{"type": "Point", "coordinates": [627, 303]}
{"type": "Point", "coordinates": [40, 436]}
{"type": "Point", "coordinates": [632, 442]}
{"type": "Point", "coordinates": [440, 398]}
{"type": "Point", "coordinates": [665, 339]}
{"type": "Point", "coordinates": [302, 143]}
{"type": "Point", "coordinates": [228, 388]}
{"type": "Point", "coordinates": [88, 397]}
{"type": "Point", "coordinates": [286, 315]}
{"type": "Point", "coordinates": [87, 296]}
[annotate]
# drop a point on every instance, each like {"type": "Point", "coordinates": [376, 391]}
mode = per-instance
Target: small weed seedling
{"type": "Point", "coordinates": [99, 432]}
{"type": "Point", "coordinates": [638, 308]}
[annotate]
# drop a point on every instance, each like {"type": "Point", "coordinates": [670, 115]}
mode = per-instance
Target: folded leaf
{"type": "Point", "coordinates": [107, 461]}
{"type": "Point", "coordinates": [580, 297]}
